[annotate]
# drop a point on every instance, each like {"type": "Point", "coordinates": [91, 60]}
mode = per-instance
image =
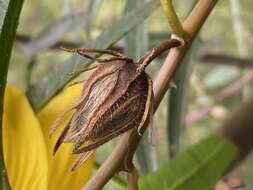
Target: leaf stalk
{"type": "Point", "coordinates": [173, 19]}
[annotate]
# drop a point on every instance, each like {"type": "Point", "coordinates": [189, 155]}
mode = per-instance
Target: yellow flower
{"type": "Point", "coordinates": [28, 148]}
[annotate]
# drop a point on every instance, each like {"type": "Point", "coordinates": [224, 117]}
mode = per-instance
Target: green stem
{"type": "Point", "coordinates": [173, 19]}
{"type": "Point", "coordinates": [7, 37]}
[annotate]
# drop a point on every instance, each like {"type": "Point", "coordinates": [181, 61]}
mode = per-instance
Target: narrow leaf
{"type": "Point", "coordinates": [177, 102]}
{"type": "Point", "coordinates": [3, 7]}
{"type": "Point", "coordinates": [49, 85]}
{"type": "Point", "coordinates": [198, 168]}
{"type": "Point", "coordinates": [116, 178]}
{"type": "Point", "coordinates": [92, 15]}
{"type": "Point", "coordinates": [7, 37]}
{"type": "Point", "coordinates": [220, 76]}
{"type": "Point", "coordinates": [54, 31]}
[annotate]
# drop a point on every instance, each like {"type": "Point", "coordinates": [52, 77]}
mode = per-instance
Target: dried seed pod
{"type": "Point", "coordinates": [115, 98]}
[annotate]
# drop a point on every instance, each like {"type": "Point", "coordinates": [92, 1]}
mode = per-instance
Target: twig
{"type": "Point", "coordinates": [192, 25]}
{"type": "Point", "coordinates": [226, 60]}
{"type": "Point", "coordinates": [116, 178]}
{"type": "Point", "coordinates": [122, 155]}
{"type": "Point", "coordinates": [24, 39]}
{"type": "Point", "coordinates": [133, 180]}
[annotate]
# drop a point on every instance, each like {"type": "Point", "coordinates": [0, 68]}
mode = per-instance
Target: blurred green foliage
{"type": "Point", "coordinates": [206, 80]}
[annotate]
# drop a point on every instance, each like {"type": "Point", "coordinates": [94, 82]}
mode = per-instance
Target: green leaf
{"type": "Point", "coordinates": [136, 39]}
{"type": "Point", "coordinates": [48, 86]}
{"type": "Point", "coordinates": [177, 102]}
{"type": "Point", "coordinates": [220, 76]}
{"type": "Point", "coordinates": [7, 37]}
{"type": "Point", "coordinates": [3, 7]}
{"type": "Point", "coordinates": [198, 168]}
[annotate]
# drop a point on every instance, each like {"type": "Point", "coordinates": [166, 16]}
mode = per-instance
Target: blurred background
{"type": "Point", "coordinates": [215, 77]}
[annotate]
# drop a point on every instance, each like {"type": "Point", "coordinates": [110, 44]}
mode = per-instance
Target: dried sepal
{"type": "Point", "coordinates": [116, 97]}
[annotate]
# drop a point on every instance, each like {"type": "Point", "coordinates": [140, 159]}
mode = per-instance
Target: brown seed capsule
{"type": "Point", "coordinates": [115, 98]}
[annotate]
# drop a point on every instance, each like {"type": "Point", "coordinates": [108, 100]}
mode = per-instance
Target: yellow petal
{"type": "Point", "coordinates": [60, 176]}
{"type": "Point", "coordinates": [23, 144]}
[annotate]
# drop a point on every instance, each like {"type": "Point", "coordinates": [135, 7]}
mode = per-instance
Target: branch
{"type": "Point", "coordinates": [133, 180]}
{"type": "Point", "coordinates": [24, 39]}
{"type": "Point", "coordinates": [121, 157]}
{"type": "Point", "coordinates": [226, 60]}
{"type": "Point", "coordinates": [205, 59]}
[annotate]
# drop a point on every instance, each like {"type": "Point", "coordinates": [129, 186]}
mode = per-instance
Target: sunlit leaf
{"type": "Point", "coordinates": [48, 86]}
{"type": "Point", "coordinates": [23, 143]}
{"type": "Point", "coordinates": [60, 176]}
{"type": "Point", "coordinates": [198, 168]}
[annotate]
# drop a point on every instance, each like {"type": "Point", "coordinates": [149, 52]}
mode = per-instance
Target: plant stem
{"type": "Point", "coordinates": [173, 19]}
{"type": "Point", "coordinates": [116, 178]}
{"type": "Point", "coordinates": [7, 38]}
{"type": "Point", "coordinates": [192, 26]}
{"type": "Point", "coordinates": [226, 60]}
{"type": "Point", "coordinates": [133, 180]}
